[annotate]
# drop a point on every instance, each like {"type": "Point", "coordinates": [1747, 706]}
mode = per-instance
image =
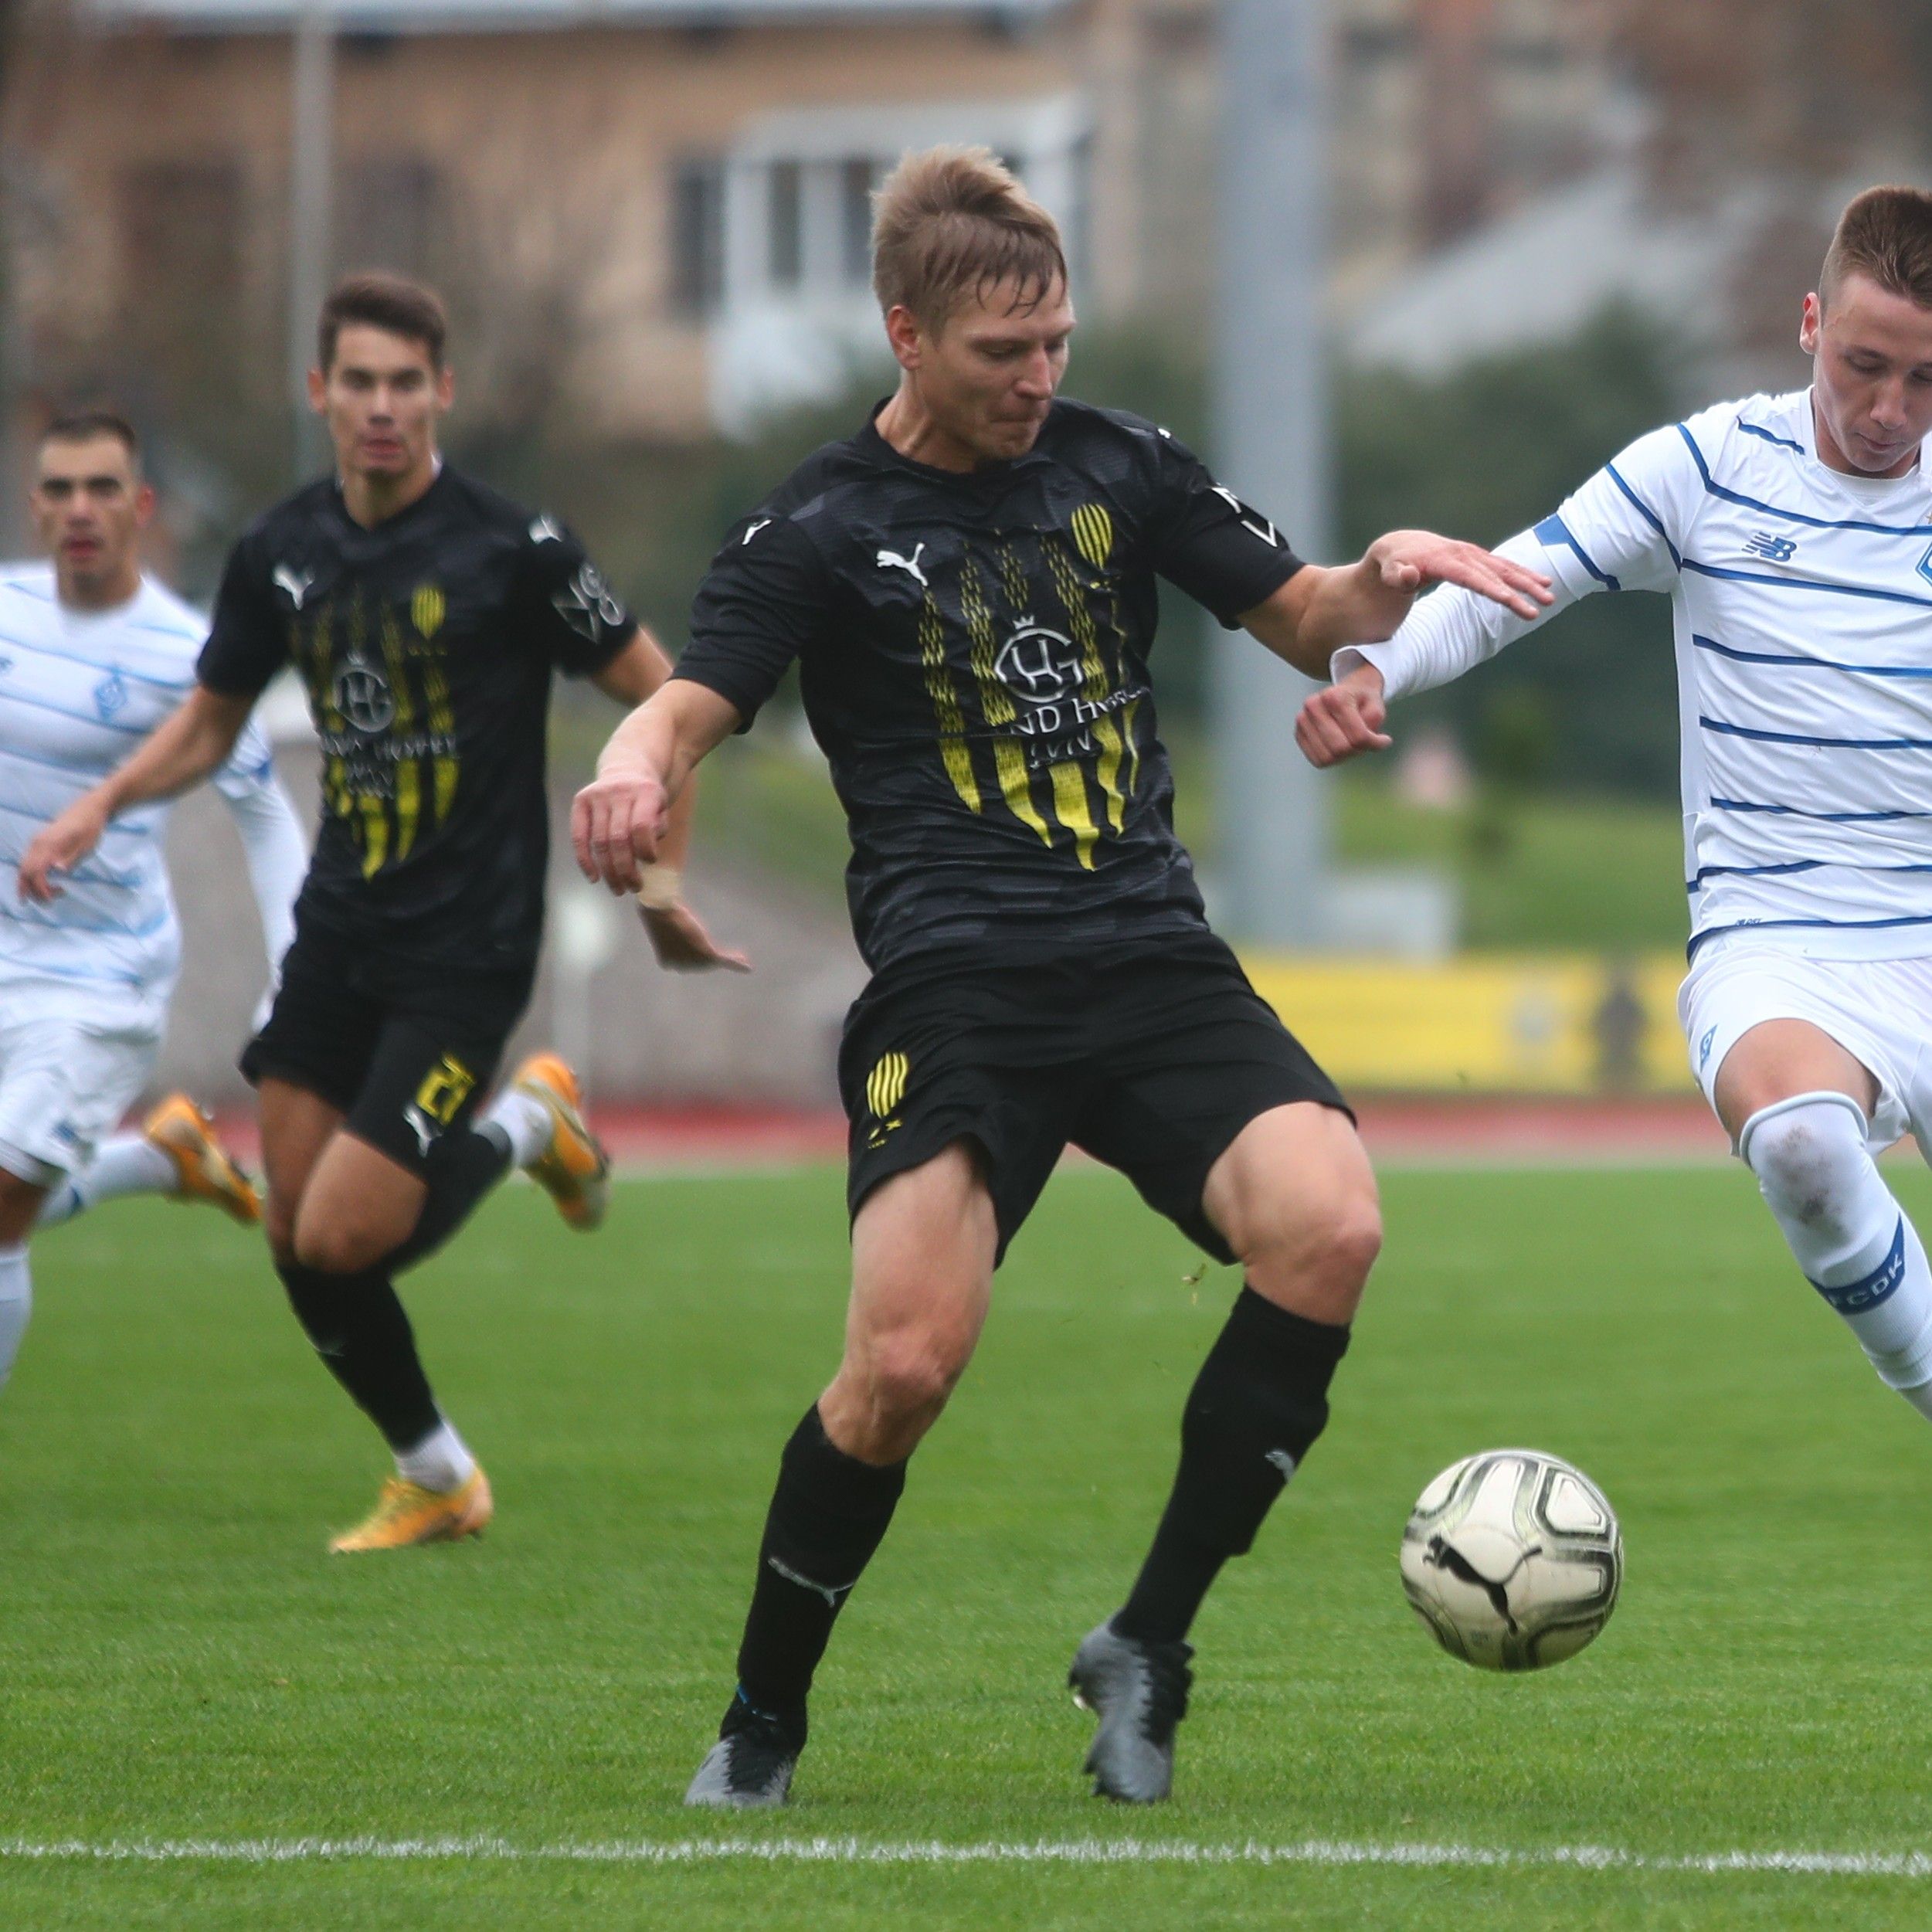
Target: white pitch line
{"type": "Point", "coordinates": [935, 1852]}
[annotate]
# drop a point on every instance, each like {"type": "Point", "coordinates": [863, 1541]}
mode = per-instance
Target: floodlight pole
{"type": "Point", "coordinates": [311, 179]}
{"type": "Point", "coordinates": [1271, 445]}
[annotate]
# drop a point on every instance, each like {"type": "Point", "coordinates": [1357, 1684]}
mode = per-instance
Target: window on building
{"type": "Point", "coordinates": [181, 229]}
{"type": "Point", "coordinates": [697, 235]}
{"type": "Point", "coordinates": [785, 223]}
{"type": "Point", "coordinates": [857, 177]}
{"type": "Point", "coordinates": [389, 214]}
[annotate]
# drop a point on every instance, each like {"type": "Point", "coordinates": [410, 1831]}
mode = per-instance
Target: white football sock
{"type": "Point", "coordinates": [126, 1164]}
{"type": "Point", "coordinates": [16, 1304]}
{"type": "Point", "coordinates": [525, 1122]}
{"type": "Point", "coordinates": [440, 1461]}
{"type": "Point", "coordinates": [1847, 1232]}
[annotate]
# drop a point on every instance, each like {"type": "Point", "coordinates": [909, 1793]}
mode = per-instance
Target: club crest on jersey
{"type": "Point", "coordinates": [111, 695]}
{"type": "Point", "coordinates": [1761, 543]}
{"type": "Point", "coordinates": [427, 609]}
{"type": "Point", "coordinates": [362, 695]}
{"type": "Point", "coordinates": [1040, 667]}
{"type": "Point", "coordinates": [1924, 570]}
{"type": "Point", "coordinates": [1053, 713]}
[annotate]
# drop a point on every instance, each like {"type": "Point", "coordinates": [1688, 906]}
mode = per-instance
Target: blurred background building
{"type": "Point", "coordinates": [1553, 223]}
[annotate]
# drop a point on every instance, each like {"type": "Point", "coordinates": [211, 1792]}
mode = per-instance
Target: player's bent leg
{"type": "Point", "coordinates": [1294, 1200]}
{"type": "Point", "coordinates": [357, 1325]}
{"type": "Point", "coordinates": [20, 1201]}
{"type": "Point", "coordinates": [924, 1245]}
{"type": "Point", "coordinates": [1807, 1147]}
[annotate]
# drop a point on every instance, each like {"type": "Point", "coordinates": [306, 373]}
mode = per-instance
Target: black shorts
{"type": "Point", "coordinates": [405, 1050]}
{"type": "Point", "coordinates": [1152, 1061]}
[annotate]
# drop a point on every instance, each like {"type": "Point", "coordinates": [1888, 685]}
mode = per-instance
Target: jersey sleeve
{"type": "Point", "coordinates": [1209, 543]}
{"type": "Point", "coordinates": [250, 765]}
{"type": "Point", "coordinates": [247, 642]}
{"type": "Point", "coordinates": [762, 601]}
{"type": "Point", "coordinates": [1626, 527]}
{"type": "Point", "coordinates": [565, 609]}
{"type": "Point", "coordinates": [1624, 530]}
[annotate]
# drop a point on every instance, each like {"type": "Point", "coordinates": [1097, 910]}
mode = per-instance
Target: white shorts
{"type": "Point", "coordinates": [1878, 1011]}
{"type": "Point", "coordinates": [63, 1087]}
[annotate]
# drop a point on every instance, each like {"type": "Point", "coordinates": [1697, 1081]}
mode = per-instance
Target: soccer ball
{"type": "Point", "coordinates": [1513, 1558]}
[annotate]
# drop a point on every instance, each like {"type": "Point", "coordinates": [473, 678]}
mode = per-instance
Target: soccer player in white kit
{"type": "Point", "coordinates": [93, 655]}
{"type": "Point", "coordinates": [1794, 536]}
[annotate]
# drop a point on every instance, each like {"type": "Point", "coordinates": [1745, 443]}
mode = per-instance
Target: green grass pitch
{"type": "Point", "coordinates": [180, 1662]}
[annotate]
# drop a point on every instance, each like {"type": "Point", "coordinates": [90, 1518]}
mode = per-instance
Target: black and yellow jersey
{"type": "Point", "coordinates": [972, 656]}
{"type": "Point", "coordinates": [427, 644]}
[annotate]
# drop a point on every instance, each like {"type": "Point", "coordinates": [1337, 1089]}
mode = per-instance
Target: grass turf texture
{"type": "Point", "coordinates": [179, 1659]}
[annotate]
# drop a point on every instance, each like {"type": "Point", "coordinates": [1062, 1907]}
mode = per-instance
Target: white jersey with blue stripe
{"type": "Point", "coordinates": [1802, 599]}
{"type": "Point", "coordinates": [78, 691]}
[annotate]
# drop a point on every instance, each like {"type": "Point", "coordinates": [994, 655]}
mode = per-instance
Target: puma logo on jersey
{"type": "Point", "coordinates": [296, 586]}
{"type": "Point", "coordinates": [753, 529]}
{"type": "Point", "coordinates": [1251, 521]}
{"type": "Point", "coordinates": [891, 560]}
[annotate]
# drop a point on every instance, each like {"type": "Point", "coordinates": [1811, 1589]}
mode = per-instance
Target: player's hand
{"type": "Point", "coordinates": [60, 846]}
{"type": "Point", "coordinates": [1343, 719]}
{"type": "Point", "coordinates": [1400, 566]}
{"type": "Point", "coordinates": [681, 943]}
{"type": "Point", "coordinates": [616, 823]}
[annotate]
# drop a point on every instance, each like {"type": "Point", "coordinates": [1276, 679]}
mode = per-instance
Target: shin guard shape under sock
{"type": "Point", "coordinates": [829, 1513]}
{"type": "Point", "coordinates": [464, 1167]}
{"type": "Point", "coordinates": [359, 1329]}
{"type": "Point", "coordinates": [1255, 1409]}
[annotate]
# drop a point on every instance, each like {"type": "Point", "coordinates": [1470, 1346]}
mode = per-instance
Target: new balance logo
{"type": "Point", "coordinates": [296, 586]}
{"type": "Point", "coordinates": [1773, 549]}
{"type": "Point", "coordinates": [891, 560]}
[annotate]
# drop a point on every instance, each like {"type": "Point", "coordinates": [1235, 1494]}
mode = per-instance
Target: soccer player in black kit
{"type": "Point", "coordinates": [426, 615]}
{"type": "Point", "coordinates": [968, 586]}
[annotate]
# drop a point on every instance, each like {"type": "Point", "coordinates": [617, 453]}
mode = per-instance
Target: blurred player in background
{"type": "Point", "coordinates": [426, 615]}
{"type": "Point", "coordinates": [1794, 535]}
{"type": "Point", "coordinates": [969, 584]}
{"type": "Point", "coordinates": [93, 656]}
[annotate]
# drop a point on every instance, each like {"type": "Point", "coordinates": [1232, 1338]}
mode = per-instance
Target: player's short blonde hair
{"type": "Point", "coordinates": [1884, 234]}
{"type": "Point", "coordinates": [952, 222]}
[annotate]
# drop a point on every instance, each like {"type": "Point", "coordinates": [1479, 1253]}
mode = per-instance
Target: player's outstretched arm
{"type": "Point", "coordinates": [619, 823]}
{"type": "Point", "coordinates": [677, 936]}
{"type": "Point", "coordinates": [1318, 609]}
{"type": "Point", "coordinates": [182, 751]}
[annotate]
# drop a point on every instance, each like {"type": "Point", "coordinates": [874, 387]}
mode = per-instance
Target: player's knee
{"type": "Point", "coordinates": [1336, 1242]}
{"type": "Point", "coordinates": [910, 1377]}
{"type": "Point", "coordinates": [1806, 1159]}
{"type": "Point", "coordinates": [332, 1246]}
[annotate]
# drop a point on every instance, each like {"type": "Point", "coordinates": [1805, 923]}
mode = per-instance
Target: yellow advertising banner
{"type": "Point", "coordinates": [1494, 1023]}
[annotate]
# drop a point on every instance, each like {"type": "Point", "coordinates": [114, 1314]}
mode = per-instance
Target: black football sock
{"type": "Point", "coordinates": [1257, 1406]}
{"type": "Point", "coordinates": [828, 1514]}
{"type": "Point", "coordinates": [359, 1329]}
{"type": "Point", "coordinates": [465, 1166]}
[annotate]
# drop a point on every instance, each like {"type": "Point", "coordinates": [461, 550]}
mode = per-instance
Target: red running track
{"type": "Point", "coordinates": [1501, 1130]}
